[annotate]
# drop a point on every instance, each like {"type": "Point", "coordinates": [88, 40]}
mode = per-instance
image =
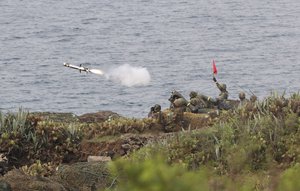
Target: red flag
{"type": "Point", "coordinates": [215, 71]}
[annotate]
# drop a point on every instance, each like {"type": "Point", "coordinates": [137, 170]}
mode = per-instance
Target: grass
{"type": "Point", "coordinates": [108, 138]}
{"type": "Point", "coordinates": [25, 139]}
{"type": "Point", "coordinates": [254, 147]}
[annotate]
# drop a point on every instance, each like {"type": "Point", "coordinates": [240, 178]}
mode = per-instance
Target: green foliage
{"type": "Point", "coordinates": [251, 139]}
{"type": "Point", "coordinates": [123, 125]}
{"type": "Point", "coordinates": [292, 123]}
{"type": "Point", "coordinates": [289, 180]}
{"type": "Point", "coordinates": [16, 124]}
{"type": "Point", "coordinates": [24, 139]}
{"type": "Point", "coordinates": [38, 169]}
{"type": "Point", "coordinates": [157, 175]}
{"type": "Point", "coordinates": [193, 149]}
{"type": "Point", "coordinates": [295, 96]}
{"type": "Point", "coordinates": [239, 152]}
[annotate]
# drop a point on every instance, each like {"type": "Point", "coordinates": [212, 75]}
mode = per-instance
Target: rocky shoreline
{"type": "Point", "coordinates": [62, 144]}
{"type": "Point", "coordinates": [62, 151]}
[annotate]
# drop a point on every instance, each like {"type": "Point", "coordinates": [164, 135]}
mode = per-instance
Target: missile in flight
{"type": "Point", "coordinates": [81, 68]}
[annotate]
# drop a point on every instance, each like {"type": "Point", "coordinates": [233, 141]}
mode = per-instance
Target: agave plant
{"type": "Point", "coordinates": [14, 123]}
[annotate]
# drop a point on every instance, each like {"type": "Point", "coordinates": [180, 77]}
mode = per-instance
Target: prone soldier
{"type": "Point", "coordinates": [197, 103]}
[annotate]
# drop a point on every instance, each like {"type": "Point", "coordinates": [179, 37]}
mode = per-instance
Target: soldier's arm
{"type": "Point", "coordinates": [192, 108]}
{"type": "Point", "coordinates": [218, 85]}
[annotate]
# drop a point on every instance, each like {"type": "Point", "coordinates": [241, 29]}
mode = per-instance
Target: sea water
{"type": "Point", "coordinates": [255, 45]}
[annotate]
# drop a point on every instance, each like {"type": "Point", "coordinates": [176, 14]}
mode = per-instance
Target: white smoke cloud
{"type": "Point", "coordinates": [129, 75]}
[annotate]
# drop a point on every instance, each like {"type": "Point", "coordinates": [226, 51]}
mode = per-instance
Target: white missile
{"type": "Point", "coordinates": [81, 68]}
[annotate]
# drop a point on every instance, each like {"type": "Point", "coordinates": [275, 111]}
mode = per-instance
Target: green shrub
{"type": "Point", "coordinates": [156, 175]}
{"type": "Point", "coordinates": [289, 181]}
{"type": "Point", "coordinates": [24, 139]}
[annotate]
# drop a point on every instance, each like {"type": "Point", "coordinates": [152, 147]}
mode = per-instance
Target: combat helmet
{"type": "Point", "coordinates": [253, 98]}
{"type": "Point", "coordinates": [157, 108]}
{"type": "Point", "coordinates": [242, 95]}
{"type": "Point", "coordinates": [223, 87]}
{"type": "Point", "coordinates": [194, 101]}
{"type": "Point", "coordinates": [193, 94]}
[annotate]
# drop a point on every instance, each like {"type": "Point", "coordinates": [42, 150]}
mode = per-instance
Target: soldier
{"type": "Point", "coordinates": [155, 112]}
{"type": "Point", "coordinates": [243, 100]}
{"type": "Point", "coordinates": [197, 103]}
{"type": "Point", "coordinates": [178, 107]}
{"type": "Point", "coordinates": [253, 98]}
{"type": "Point", "coordinates": [151, 113]}
{"type": "Point", "coordinates": [251, 106]}
{"type": "Point", "coordinates": [157, 108]}
{"type": "Point", "coordinates": [220, 101]}
{"type": "Point", "coordinates": [178, 102]}
{"type": "Point", "coordinates": [193, 94]}
{"type": "Point", "coordinates": [223, 92]}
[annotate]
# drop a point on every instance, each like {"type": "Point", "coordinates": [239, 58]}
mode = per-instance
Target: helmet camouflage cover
{"type": "Point", "coordinates": [253, 98]}
{"type": "Point", "coordinates": [193, 94]}
{"type": "Point", "coordinates": [223, 86]}
{"type": "Point", "coordinates": [157, 107]}
{"type": "Point", "coordinates": [242, 95]}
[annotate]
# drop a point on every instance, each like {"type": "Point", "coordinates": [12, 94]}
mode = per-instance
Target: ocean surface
{"type": "Point", "coordinates": [255, 44]}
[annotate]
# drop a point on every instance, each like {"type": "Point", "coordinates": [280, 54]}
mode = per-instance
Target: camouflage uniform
{"type": "Point", "coordinates": [177, 108]}
{"type": "Point", "coordinates": [178, 102]}
{"type": "Point", "coordinates": [155, 113]}
{"type": "Point", "coordinates": [220, 101]}
{"type": "Point", "coordinates": [251, 107]}
{"type": "Point", "coordinates": [151, 113]}
{"type": "Point", "coordinates": [243, 100]}
{"type": "Point", "coordinates": [223, 94]}
{"type": "Point", "coordinates": [197, 103]}
{"type": "Point", "coordinates": [253, 98]}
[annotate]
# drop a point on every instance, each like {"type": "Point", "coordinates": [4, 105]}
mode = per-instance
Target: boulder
{"type": "Point", "coordinates": [17, 180]}
{"type": "Point", "coordinates": [4, 186]}
{"type": "Point", "coordinates": [98, 117]}
{"type": "Point", "coordinates": [85, 176]}
{"type": "Point", "coordinates": [98, 159]}
{"type": "Point", "coordinates": [56, 117]}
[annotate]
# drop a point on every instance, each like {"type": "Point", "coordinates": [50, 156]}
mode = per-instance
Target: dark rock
{"type": "Point", "coordinates": [126, 146]}
{"type": "Point", "coordinates": [98, 117]}
{"type": "Point", "coordinates": [98, 159]}
{"type": "Point", "coordinates": [57, 117]}
{"type": "Point", "coordinates": [3, 168]}
{"type": "Point", "coordinates": [84, 176]}
{"type": "Point", "coordinates": [19, 181]}
{"type": "Point", "coordinates": [3, 164]}
{"type": "Point", "coordinates": [4, 186]}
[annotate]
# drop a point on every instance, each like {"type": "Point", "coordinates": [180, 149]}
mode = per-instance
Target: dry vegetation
{"type": "Point", "coordinates": [253, 147]}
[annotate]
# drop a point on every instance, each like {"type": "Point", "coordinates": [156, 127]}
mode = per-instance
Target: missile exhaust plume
{"type": "Point", "coordinates": [96, 71]}
{"type": "Point", "coordinates": [129, 75]}
{"type": "Point", "coordinates": [125, 74]}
